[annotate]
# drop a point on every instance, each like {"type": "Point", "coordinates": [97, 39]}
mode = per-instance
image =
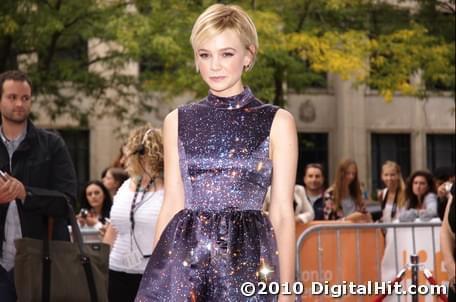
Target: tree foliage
{"type": "Point", "coordinates": [372, 42]}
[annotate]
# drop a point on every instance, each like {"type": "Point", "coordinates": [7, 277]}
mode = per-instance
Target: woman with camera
{"type": "Point", "coordinates": [134, 213]}
{"type": "Point", "coordinates": [95, 205]}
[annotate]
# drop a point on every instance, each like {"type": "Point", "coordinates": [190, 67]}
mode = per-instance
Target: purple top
{"type": "Point", "coordinates": [224, 152]}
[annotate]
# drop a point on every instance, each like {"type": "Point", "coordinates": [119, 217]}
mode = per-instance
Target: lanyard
{"type": "Point", "coordinates": [133, 203]}
{"type": "Point", "coordinates": [134, 207]}
{"type": "Point", "coordinates": [385, 200]}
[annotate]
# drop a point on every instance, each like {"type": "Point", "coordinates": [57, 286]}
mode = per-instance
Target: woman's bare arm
{"type": "Point", "coordinates": [173, 200]}
{"type": "Point", "coordinates": [110, 235]}
{"type": "Point", "coordinates": [284, 154]}
{"type": "Point", "coordinates": [447, 242]}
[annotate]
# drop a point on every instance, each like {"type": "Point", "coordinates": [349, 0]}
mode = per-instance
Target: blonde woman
{"type": "Point", "coordinates": [393, 196]}
{"type": "Point", "coordinates": [134, 213]}
{"type": "Point", "coordinates": [224, 152]}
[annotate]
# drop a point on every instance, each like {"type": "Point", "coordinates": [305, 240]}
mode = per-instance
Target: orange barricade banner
{"type": "Point", "coordinates": [330, 258]}
{"type": "Point", "coordinates": [399, 247]}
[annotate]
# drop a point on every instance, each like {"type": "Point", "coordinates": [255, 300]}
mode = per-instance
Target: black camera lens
{"type": "Point", "coordinates": [84, 212]}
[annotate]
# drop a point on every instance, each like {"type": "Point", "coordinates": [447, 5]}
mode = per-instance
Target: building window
{"type": "Point", "coordinates": [77, 141]}
{"type": "Point", "coordinates": [440, 151]}
{"type": "Point", "coordinates": [313, 148]}
{"type": "Point", "coordinates": [394, 147]}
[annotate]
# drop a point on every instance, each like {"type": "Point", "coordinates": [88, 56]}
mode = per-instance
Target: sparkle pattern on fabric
{"type": "Point", "coordinates": [221, 239]}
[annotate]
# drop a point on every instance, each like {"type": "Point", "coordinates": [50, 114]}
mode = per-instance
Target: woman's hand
{"type": "Point", "coordinates": [359, 217]}
{"type": "Point", "coordinates": [91, 219]}
{"type": "Point", "coordinates": [81, 220]}
{"type": "Point", "coordinates": [102, 230]}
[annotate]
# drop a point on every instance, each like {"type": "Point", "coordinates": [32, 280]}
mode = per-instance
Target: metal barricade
{"type": "Point", "coordinates": [89, 235]}
{"type": "Point", "coordinates": [371, 235]}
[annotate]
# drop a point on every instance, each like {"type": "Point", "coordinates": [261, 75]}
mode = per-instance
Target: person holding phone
{"type": "Point", "coordinates": [32, 160]}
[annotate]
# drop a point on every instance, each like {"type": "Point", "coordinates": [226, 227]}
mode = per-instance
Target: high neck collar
{"type": "Point", "coordinates": [232, 102]}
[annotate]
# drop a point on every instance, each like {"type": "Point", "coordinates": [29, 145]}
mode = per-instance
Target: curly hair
{"type": "Point", "coordinates": [152, 159]}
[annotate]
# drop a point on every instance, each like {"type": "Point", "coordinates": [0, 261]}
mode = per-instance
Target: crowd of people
{"type": "Point", "coordinates": [197, 196]}
{"type": "Point", "coordinates": [398, 200]}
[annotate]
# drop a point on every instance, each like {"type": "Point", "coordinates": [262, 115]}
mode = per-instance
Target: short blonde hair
{"type": "Point", "coordinates": [153, 152]}
{"type": "Point", "coordinates": [220, 17]}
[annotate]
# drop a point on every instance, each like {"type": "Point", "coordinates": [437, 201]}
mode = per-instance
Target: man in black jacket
{"type": "Point", "coordinates": [32, 160]}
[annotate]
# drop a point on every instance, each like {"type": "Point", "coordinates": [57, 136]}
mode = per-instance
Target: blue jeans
{"type": "Point", "coordinates": [7, 289]}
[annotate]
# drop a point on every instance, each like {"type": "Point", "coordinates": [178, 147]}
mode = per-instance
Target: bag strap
{"type": "Point", "coordinates": [89, 276]}
{"type": "Point", "coordinates": [77, 239]}
{"type": "Point", "coordinates": [85, 261]}
{"type": "Point", "coordinates": [46, 274]}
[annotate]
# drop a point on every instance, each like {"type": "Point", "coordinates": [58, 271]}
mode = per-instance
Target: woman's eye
{"type": "Point", "coordinates": [228, 54]}
{"type": "Point", "coordinates": [203, 55]}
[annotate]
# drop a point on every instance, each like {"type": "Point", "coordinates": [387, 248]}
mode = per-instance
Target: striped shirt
{"type": "Point", "coordinates": [128, 243]}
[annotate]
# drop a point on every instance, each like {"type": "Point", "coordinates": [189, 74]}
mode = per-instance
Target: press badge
{"type": "Point", "coordinates": [134, 259]}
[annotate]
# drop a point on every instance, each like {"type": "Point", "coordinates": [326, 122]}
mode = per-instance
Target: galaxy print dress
{"type": "Point", "coordinates": [221, 239]}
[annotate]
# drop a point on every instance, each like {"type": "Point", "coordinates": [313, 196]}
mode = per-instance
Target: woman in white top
{"type": "Point", "coordinates": [134, 214]}
{"type": "Point", "coordinates": [393, 196]}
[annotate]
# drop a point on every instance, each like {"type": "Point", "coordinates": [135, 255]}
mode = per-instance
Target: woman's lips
{"type": "Point", "coordinates": [217, 78]}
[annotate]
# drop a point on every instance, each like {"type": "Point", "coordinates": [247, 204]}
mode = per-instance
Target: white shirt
{"type": "Point", "coordinates": [128, 249]}
{"type": "Point", "coordinates": [12, 232]}
{"type": "Point", "coordinates": [12, 222]}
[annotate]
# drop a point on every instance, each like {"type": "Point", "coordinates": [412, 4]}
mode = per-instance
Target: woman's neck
{"type": "Point", "coordinates": [97, 210]}
{"type": "Point", "coordinates": [392, 189]}
{"type": "Point", "coordinates": [391, 193]}
{"type": "Point", "coordinates": [346, 192]}
{"type": "Point", "coordinates": [145, 180]}
{"type": "Point", "coordinates": [420, 199]}
{"type": "Point", "coordinates": [157, 183]}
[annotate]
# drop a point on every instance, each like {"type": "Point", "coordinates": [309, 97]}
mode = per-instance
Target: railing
{"type": "Point", "coordinates": [364, 252]}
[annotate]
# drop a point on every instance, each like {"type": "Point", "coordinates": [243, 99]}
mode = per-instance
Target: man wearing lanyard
{"type": "Point", "coordinates": [31, 159]}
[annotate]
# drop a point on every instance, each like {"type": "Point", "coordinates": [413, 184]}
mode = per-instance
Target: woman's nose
{"type": "Point", "coordinates": [215, 63]}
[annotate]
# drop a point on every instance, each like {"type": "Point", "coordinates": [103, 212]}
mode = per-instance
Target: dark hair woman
{"type": "Point", "coordinates": [421, 197]}
{"type": "Point", "coordinates": [96, 204]}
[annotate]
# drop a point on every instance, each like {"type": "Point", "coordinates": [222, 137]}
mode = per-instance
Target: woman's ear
{"type": "Point", "coordinates": [249, 58]}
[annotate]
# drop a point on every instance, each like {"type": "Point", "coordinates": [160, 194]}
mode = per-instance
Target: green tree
{"type": "Point", "coordinates": [51, 39]}
{"type": "Point", "coordinates": [372, 42]}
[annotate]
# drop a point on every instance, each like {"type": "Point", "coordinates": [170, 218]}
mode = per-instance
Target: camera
{"type": "Point", "coordinates": [83, 213]}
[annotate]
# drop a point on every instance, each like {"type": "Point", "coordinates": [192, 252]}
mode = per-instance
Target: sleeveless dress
{"type": "Point", "coordinates": [221, 238]}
